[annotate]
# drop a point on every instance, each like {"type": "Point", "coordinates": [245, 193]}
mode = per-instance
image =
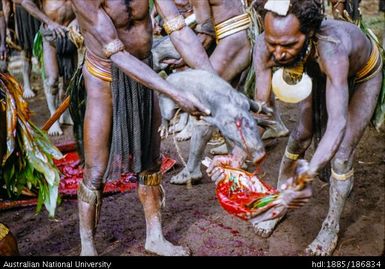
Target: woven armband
{"type": "Point", "coordinates": [113, 47]}
{"type": "Point", "coordinates": [174, 24]}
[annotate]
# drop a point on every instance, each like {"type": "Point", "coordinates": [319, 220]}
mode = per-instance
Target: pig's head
{"type": "Point", "coordinates": [237, 124]}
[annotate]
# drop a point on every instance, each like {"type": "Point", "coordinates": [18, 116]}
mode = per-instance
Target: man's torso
{"type": "Point", "coordinates": [59, 11]}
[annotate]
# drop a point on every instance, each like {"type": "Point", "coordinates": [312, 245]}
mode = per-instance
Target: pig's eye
{"type": "Point", "coordinates": [238, 122]}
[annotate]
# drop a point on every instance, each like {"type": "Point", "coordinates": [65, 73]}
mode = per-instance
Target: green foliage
{"type": "Point", "coordinates": [28, 163]}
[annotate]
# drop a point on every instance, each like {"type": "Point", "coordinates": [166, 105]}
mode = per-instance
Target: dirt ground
{"type": "Point", "coordinates": [194, 218]}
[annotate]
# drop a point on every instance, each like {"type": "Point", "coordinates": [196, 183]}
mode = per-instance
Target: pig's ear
{"type": "Point", "coordinates": [210, 120]}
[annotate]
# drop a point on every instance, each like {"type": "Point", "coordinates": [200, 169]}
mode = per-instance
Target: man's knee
{"type": "Point", "coordinates": [52, 83]}
{"type": "Point", "coordinates": [342, 164]}
{"type": "Point", "coordinates": [298, 143]}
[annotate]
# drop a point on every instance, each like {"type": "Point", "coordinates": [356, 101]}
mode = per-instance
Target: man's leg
{"type": "Point", "coordinates": [27, 70]}
{"type": "Point", "coordinates": [299, 141]}
{"type": "Point", "coordinates": [201, 135]}
{"type": "Point", "coordinates": [97, 131]}
{"type": "Point", "coordinates": [279, 129]}
{"type": "Point", "coordinates": [151, 195]}
{"type": "Point", "coordinates": [51, 83]}
{"type": "Point", "coordinates": [361, 108]}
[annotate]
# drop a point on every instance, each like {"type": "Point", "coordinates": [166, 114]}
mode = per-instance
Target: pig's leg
{"type": "Point", "coordinates": [167, 110]}
{"type": "Point", "coordinates": [201, 135]}
{"type": "Point", "coordinates": [181, 124]}
{"type": "Point", "coordinates": [299, 141]}
{"type": "Point", "coordinates": [279, 129]}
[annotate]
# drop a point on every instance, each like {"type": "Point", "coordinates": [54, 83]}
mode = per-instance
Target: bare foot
{"type": "Point", "coordinates": [184, 176]}
{"type": "Point", "coordinates": [265, 229]}
{"type": "Point", "coordinates": [55, 129]}
{"type": "Point", "coordinates": [220, 150]}
{"type": "Point", "coordinates": [278, 130]}
{"type": "Point", "coordinates": [28, 93]}
{"type": "Point", "coordinates": [66, 118]}
{"type": "Point", "coordinates": [165, 248]}
{"type": "Point", "coordinates": [325, 242]}
{"type": "Point", "coordinates": [88, 251]}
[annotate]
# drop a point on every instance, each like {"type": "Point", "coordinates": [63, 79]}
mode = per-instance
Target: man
{"type": "Point", "coordinates": [119, 34]}
{"type": "Point", "coordinates": [59, 53]}
{"type": "Point", "coordinates": [26, 28]}
{"type": "Point", "coordinates": [231, 56]}
{"type": "Point", "coordinates": [3, 45]}
{"type": "Point", "coordinates": [296, 38]}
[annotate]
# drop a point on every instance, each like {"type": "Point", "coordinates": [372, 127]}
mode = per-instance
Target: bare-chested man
{"type": "Point", "coordinates": [60, 54]}
{"type": "Point", "coordinates": [122, 115]}
{"type": "Point", "coordinates": [299, 40]}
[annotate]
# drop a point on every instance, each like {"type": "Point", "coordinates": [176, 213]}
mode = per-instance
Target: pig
{"type": "Point", "coordinates": [163, 49]}
{"type": "Point", "coordinates": [230, 113]}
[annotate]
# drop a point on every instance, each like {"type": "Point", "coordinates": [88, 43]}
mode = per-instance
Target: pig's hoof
{"type": "Point", "coordinates": [275, 132]}
{"type": "Point", "coordinates": [220, 150]}
{"type": "Point", "coordinates": [265, 229]}
{"type": "Point", "coordinates": [185, 176]}
{"type": "Point", "coordinates": [324, 244]}
{"type": "Point", "coordinates": [163, 131]}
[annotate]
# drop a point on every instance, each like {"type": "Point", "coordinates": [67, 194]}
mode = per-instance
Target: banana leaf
{"type": "Point", "coordinates": [38, 52]}
{"type": "Point", "coordinates": [29, 158]}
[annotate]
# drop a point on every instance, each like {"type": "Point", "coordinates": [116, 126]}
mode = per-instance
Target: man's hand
{"type": "Point", "coordinates": [174, 63]}
{"type": "Point", "coordinates": [190, 104]}
{"type": "Point", "coordinates": [215, 170]}
{"type": "Point", "coordinates": [205, 39]}
{"type": "Point", "coordinates": [297, 190]}
{"type": "Point", "coordinates": [55, 31]}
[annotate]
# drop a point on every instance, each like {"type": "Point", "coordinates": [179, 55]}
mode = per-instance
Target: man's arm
{"type": "Point", "coordinates": [93, 19]}
{"type": "Point", "coordinates": [184, 39]}
{"type": "Point", "coordinates": [262, 70]}
{"type": "Point", "coordinates": [204, 27]}
{"type": "Point", "coordinates": [31, 7]}
{"type": "Point", "coordinates": [336, 69]}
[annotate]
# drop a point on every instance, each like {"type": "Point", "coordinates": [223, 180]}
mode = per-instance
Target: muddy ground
{"type": "Point", "coordinates": [193, 216]}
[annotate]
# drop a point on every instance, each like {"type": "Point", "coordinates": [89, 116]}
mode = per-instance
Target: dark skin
{"type": "Point", "coordinates": [3, 48]}
{"type": "Point", "coordinates": [56, 16]}
{"type": "Point", "coordinates": [232, 54]}
{"type": "Point", "coordinates": [342, 51]}
{"type": "Point", "coordinates": [102, 21]}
